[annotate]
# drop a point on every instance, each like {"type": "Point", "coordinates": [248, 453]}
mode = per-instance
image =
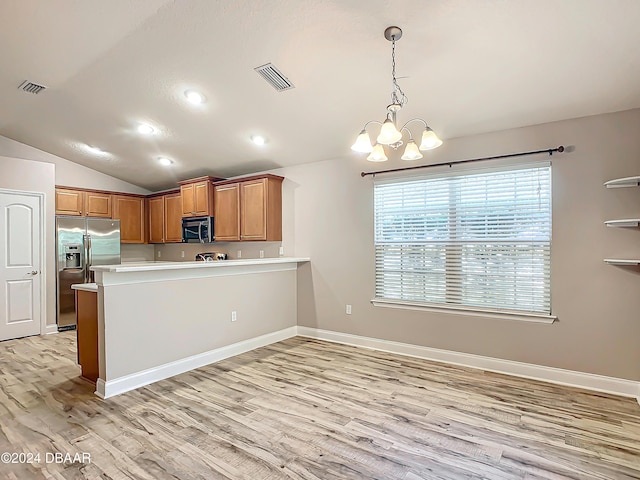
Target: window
{"type": "Point", "coordinates": [471, 240]}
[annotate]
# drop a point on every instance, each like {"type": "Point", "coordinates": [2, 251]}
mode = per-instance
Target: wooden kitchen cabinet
{"type": "Point", "coordinates": [69, 202]}
{"type": "Point", "coordinates": [197, 197]}
{"type": "Point", "coordinates": [227, 212]}
{"type": "Point", "coordinates": [130, 210]}
{"type": "Point", "coordinates": [97, 204]}
{"type": "Point", "coordinates": [155, 211]}
{"type": "Point", "coordinates": [81, 203]}
{"type": "Point", "coordinates": [87, 333]}
{"type": "Point", "coordinates": [250, 209]}
{"type": "Point", "coordinates": [173, 218]}
{"type": "Point", "coordinates": [165, 218]}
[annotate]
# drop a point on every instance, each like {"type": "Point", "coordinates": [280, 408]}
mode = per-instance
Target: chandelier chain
{"type": "Point", "coordinates": [396, 88]}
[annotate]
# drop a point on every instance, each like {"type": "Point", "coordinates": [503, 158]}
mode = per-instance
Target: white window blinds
{"type": "Point", "coordinates": [475, 240]}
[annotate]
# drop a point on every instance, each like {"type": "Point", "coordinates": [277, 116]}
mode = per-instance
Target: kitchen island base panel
{"type": "Point", "coordinates": [157, 322]}
{"type": "Point", "coordinates": [87, 333]}
{"type": "Point", "coordinates": [146, 377]}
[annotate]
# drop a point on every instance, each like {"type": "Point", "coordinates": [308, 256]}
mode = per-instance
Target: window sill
{"type": "Point", "coordinates": [460, 310]}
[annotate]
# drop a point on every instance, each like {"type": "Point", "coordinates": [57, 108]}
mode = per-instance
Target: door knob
{"type": "Point", "coordinates": [35, 272]}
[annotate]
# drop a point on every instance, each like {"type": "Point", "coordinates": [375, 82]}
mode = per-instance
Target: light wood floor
{"type": "Point", "coordinates": [305, 409]}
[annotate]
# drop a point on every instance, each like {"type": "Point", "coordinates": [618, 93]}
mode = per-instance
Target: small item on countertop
{"type": "Point", "coordinates": [210, 256]}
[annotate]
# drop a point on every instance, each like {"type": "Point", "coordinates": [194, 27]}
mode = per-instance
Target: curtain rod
{"type": "Point", "coordinates": [550, 151]}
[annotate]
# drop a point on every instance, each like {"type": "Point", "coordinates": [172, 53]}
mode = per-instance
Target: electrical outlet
{"type": "Point", "coordinates": [182, 253]}
{"type": "Point", "coordinates": [348, 309]}
{"type": "Point", "coordinates": [159, 253]}
{"type": "Point", "coordinates": [234, 316]}
{"type": "Point", "coordinates": [239, 254]}
{"type": "Point", "coordinates": [261, 253]}
{"type": "Point", "coordinates": [281, 251]}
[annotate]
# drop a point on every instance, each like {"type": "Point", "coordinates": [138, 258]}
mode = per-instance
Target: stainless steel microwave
{"type": "Point", "coordinates": [197, 230]}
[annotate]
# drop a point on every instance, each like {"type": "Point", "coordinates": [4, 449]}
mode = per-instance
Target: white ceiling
{"type": "Point", "coordinates": [470, 66]}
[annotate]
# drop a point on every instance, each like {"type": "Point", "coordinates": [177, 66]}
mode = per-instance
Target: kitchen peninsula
{"type": "Point", "coordinates": [157, 320]}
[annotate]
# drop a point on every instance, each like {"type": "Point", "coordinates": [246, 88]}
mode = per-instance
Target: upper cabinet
{"type": "Point", "coordinates": [97, 204]}
{"type": "Point", "coordinates": [165, 218]}
{"type": "Point", "coordinates": [130, 210]}
{"type": "Point", "coordinates": [69, 202]}
{"type": "Point", "coordinates": [84, 203]}
{"type": "Point", "coordinates": [173, 218]}
{"type": "Point", "coordinates": [227, 212]}
{"type": "Point", "coordinates": [245, 209]}
{"type": "Point", "coordinates": [155, 212]}
{"type": "Point", "coordinates": [197, 197]}
{"type": "Point", "coordinates": [249, 209]}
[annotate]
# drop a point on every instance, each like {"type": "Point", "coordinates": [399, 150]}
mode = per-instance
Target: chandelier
{"type": "Point", "coordinates": [390, 135]}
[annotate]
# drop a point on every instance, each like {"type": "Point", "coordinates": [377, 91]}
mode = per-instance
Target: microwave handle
{"type": "Point", "coordinates": [200, 232]}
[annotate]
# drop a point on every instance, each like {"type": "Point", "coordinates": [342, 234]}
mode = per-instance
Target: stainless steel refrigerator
{"type": "Point", "coordinates": [81, 243]}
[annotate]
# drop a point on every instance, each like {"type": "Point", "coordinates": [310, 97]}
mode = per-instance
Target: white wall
{"type": "Point", "coordinates": [328, 216]}
{"type": "Point", "coordinates": [25, 175]}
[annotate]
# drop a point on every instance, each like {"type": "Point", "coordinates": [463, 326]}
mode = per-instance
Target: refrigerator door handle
{"type": "Point", "coordinates": [87, 258]}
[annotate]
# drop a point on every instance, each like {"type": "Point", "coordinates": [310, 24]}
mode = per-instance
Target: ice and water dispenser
{"type": "Point", "coordinates": [72, 253]}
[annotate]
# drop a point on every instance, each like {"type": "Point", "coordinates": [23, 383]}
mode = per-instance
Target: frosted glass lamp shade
{"type": "Point", "coordinates": [411, 152]}
{"type": "Point", "coordinates": [389, 134]}
{"type": "Point", "coordinates": [429, 140]}
{"type": "Point", "coordinates": [363, 143]}
{"type": "Point", "coordinates": [377, 155]}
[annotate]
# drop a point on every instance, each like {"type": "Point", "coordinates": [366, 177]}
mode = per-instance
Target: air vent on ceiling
{"type": "Point", "coordinates": [31, 87]}
{"type": "Point", "coordinates": [274, 77]}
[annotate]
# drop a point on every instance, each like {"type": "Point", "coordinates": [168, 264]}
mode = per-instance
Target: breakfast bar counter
{"type": "Point", "coordinates": [156, 320]}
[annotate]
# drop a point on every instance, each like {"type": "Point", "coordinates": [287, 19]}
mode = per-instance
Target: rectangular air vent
{"type": "Point", "coordinates": [31, 87]}
{"type": "Point", "coordinates": [274, 77]}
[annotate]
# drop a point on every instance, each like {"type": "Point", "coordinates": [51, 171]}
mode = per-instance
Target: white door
{"type": "Point", "coordinates": [19, 265]}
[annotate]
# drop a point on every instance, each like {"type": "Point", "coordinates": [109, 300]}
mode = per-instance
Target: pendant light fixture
{"type": "Point", "coordinates": [390, 135]}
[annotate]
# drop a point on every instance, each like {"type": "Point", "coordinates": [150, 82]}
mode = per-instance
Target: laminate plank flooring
{"type": "Point", "coordinates": [308, 410]}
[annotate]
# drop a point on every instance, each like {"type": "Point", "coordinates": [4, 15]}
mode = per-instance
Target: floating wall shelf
{"type": "Point", "coordinates": [629, 222]}
{"type": "Point", "coordinates": [621, 261]}
{"type": "Point", "coordinates": [623, 182]}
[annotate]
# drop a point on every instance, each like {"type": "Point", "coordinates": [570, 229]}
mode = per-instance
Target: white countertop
{"type": "Point", "coordinates": [87, 287]}
{"type": "Point", "coordinates": [159, 266]}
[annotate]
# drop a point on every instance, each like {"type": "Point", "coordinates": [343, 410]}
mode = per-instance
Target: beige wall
{"type": "Point", "coordinates": [328, 216]}
{"type": "Point", "coordinates": [172, 252]}
{"type": "Point", "coordinates": [68, 173]}
{"type": "Point", "coordinates": [152, 323]}
{"type": "Point", "coordinates": [38, 177]}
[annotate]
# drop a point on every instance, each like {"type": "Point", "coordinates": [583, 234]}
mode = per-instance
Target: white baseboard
{"type": "Point", "coordinates": [49, 329]}
{"type": "Point", "coordinates": [120, 385]}
{"type": "Point", "coordinates": [589, 381]}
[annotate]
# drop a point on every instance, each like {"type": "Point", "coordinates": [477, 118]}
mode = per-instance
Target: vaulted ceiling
{"type": "Point", "coordinates": [467, 67]}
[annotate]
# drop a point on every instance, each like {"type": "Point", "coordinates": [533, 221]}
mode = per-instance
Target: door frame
{"type": "Point", "coordinates": [43, 264]}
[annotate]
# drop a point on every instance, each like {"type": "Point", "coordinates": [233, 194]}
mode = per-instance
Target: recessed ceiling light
{"type": "Point", "coordinates": [146, 129]}
{"type": "Point", "coordinates": [258, 139]}
{"type": "Point", "coordinates": [96, 150]}
{"type": "Point", "coordinates": [165, 161]}
{"type": "Point", "coordinates": [194, 97]}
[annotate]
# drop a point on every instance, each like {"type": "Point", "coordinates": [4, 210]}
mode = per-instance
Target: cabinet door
{"type": "Point", "coordinates": [188, 200]}
{"type": "Point", "coordinates": [226, 201]}
{"type": "Point", "coordinates": [202, 198]}
{"type": "Point", "coordinates": [173, 218]}
{"type": "Point", "coordinates": [156, 220]}
{"type": "Point", "coordinates": [69, 202]}
{"type": "Point", "coordinates": [130, 211]}
{"type": "Point", "coordinates": [253, 216]}
{"type": "Point", "coordinates": [97, 204]}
